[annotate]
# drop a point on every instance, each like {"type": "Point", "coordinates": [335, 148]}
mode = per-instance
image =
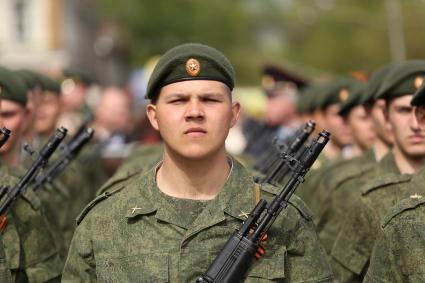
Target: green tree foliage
{"type": "Point", "coordinates": [313, 37]}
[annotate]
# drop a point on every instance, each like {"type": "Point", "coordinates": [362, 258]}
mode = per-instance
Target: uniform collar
{"type": "Point", "coordinates": [235, 199]}
{"type": "Point", "coordinates": [387, 163]}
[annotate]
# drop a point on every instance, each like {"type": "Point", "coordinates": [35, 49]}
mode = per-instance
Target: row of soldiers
{"type": "Point", "coordinates": [369, 208]}
{"type": "Point", "coordinates": [39, 205]}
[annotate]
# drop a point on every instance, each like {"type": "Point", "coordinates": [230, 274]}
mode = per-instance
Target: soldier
{"type": "Point", "coordinates": [342, 180]}
{"type": "Point", "coordinates": [327, 104]}
{"type": "Point", "coordinates": [34, 91]}
{"type": "Point", "coordinates": [353, 246]}
{"type": "Point", "coordinates": [168, 224]}
{"type": "Point", "coordinates": [29, 242]}
{"type": "Point", "coordinates": [65, 196]}
{"type": "Point", "coordinates": [281, 120]}
{"type": "Point", "coordinates": [399, 252]}
{"type": "Point", "coordinates": [360, 123]}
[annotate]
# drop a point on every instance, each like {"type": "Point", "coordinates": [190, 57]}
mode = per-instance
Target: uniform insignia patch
{"type": "Point", "coordinates": [416, 196]}
{"type": "Point", "coordinates": [193, 67]}
{"type": "Point", "coordinates": [133, 210]}
{"type": "Point", "coordinates": [244, 214]}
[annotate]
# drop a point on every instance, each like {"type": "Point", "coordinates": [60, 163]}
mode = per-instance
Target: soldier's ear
{"type": "Point", "coordinates": [236, 110]}
{"type": "Point", "coordinates": [151, 113]}
{"type": "Point", "coordinates": [387, 119]}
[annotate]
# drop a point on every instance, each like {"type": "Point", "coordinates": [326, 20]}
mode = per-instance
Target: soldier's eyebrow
{"type": "Point", "coordinates": [212, 95]}
{"type": "Point", "coordinates": [176, 95]}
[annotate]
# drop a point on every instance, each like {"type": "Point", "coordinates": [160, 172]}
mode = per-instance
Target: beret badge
{"type": "Point", "coordinates": [193, 67]}
{"type": "Point", "coordinates": [418, 81]}
{"type": "Point", "coordinates": [343, 95]}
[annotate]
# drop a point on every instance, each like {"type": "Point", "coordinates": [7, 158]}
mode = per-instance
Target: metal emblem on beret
{"type": "Point", "coordinates": [193, 67]}
{"type": "Point", "coordinates": [268, 82]}
{"type": "Point", "coordinates": [418, 81]}
{"type": "Point", "coordinates": [343, 94]}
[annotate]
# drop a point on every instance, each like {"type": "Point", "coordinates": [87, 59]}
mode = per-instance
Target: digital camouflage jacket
{"type": "Point", "coordinates": [130, 235]}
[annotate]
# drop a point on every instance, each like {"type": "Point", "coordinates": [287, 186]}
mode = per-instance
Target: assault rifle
{"type": "Point", "coordinates": [237, 255]}
{"type": "Point", "coordinates": [279, 170]}
{"type": "Point", "coordinates": [9, 197]}
{"type": "Point", "coordinates": [69, 152]}
{"type": "Point", "coordinates": [5, 134]}
{"type": "Point", "coordinates": [271, 158]}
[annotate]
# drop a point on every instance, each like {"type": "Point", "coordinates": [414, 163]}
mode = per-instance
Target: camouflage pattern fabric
{"type": "Point", "coordinates": [127, 236]}
{"type": "Point", "coordinates": [29, 245]}
{"type": "Point", "coordinates": [5, 275]}
{"type": "Point", "coordinates": [142, 158]}
{"type": "Point", "coordinates": [353, 246]}
{"type": "Point", "coordinates": [399, 253]}
{"type": "Point", "coordinates": [337, 190]}
{"type": "Point", "coordinates": [306, 190]}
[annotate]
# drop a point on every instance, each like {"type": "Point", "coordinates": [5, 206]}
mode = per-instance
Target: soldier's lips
{"type": "Point", "coordinates": [417, 139]}
{"type": "Point", "coordinates": [195, 132]}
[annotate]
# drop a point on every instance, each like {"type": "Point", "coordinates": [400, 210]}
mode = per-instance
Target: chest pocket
{"type": "Point", "coordinates": [137, 268]}
{"type": "Point", "coordinates": [269, 268]}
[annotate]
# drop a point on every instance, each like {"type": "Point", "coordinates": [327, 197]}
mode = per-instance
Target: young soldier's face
{"type": "Point", "coordinates": [47, 113]}
{"type": "Point", "coordinates": [379, 121]}
{"type": "Point", "coordinates": [13, 116]}
{"type": "Point", "coordinates": [409, 137]}
{"type": "Point", "coordinates": [361, 126]}
{"type": "Point", "coordinates": [341, 133]}
{"type": "Point", "coordinates": [194, 117]}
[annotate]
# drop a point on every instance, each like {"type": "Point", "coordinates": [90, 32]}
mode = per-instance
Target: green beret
{"type": "Point", "coordinates": [49, 84]}
{"type": "Point", "coordinates": [375, 82]}
{"type": "Point", "coordinates": [419, 97]}
{"type": "Point", "coordinates": [335, 91]}
{"type": "Point", "coordinates": [29, 77]}
{"type": "Point", "coordinates": [78, 76]}
{"type": "Point", "coordinates": [355, 95]}
{"type": "Point", "coordinates": [403, 79]}
{"type": "Point", "coordinates": [306, 98]}
{"type": "Point", "coordinates": [190, 61]}
{"type": "Point", "coordinates": [12, 87]}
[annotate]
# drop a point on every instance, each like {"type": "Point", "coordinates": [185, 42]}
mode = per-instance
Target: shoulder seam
{"type": "Point", "coordinates": [379, 183]}
{"type": "Point", "coordinates": [94, 202]}
{"type": "Point", "coordinates": [399, 208]}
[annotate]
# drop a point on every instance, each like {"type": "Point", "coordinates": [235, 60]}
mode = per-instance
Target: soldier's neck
{"type": "Point", "coordinates": [193, 179]}
{"type": "Point", "coordinates": [380, 148]}
{"type": "Point", "coordinates": [407, 164]}
{"type": "Point", "coordinates": [12, 157]}
{"type": "Point", "coordinates": [332, 151]}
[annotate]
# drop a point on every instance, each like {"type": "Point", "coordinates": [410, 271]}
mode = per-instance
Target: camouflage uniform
{"type": "Point", "coordinates": [307, 190]}
{"type": "Point", "coordinates": [353, 246]}
{"type": "Point", "coordinates": [142, 158]}
{"type": "Point", "coordinates": [337, 190]}
{"type": "Point", "coordinates": [29, 245]}
{"type": "Point", "coordinates": [399, 253]}
{"type": "Point", "coordinates": [5, 275]}
{"type": "Point", "coordinates": [138, 234]}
